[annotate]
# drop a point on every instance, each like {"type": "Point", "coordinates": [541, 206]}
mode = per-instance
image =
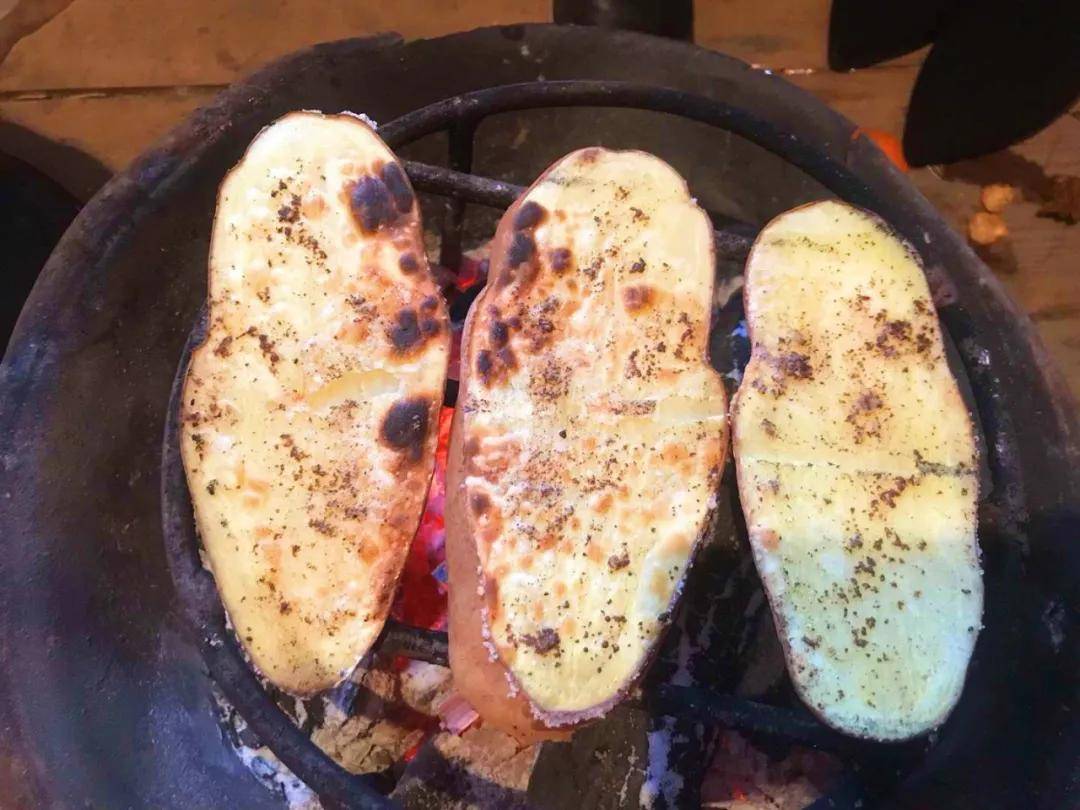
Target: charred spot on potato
{"type": "Point", "coordinates": [484, 364]}
{"type": "Point", "coordinates": [889, 496]}
{"type": "Point", "coordinates": [291, 212]}
{"type": "Point", "coordinates": [551, 382]}
{"type": "Point", "coordinates": [405, 334]}
{"type": "Point", "coordinates": [638, 266]}
{"type": "Point", "coordinates": [529, 215]}
{"type": "Point", "coordinates": [893, 333]}
{"type": "Point", "coordinates": [863, 416]}
{"type": "Point", "coordinates": [522, 248]}
{"type": "Point", "coordinates": [405, 427]}
{"type": "Point", "coordinates": [493, 364]}
{"type": "Point", "coordinates": [561, 259]}
{"type": "Point", "coordinates": [793, 364]}
{"type": "Point", "coordinates": [506, 358]}
{"type": "Point", "coordinates": [407, 263]}
{"type": "Point", "coordinates": [480, 503]}
{"type": "Point", "coordinates": [429, 304]}
{"type": "Point", "coordinates": [868, 401]}
{"type": "Point", "coordinates": [637, 297]}
{"type": "Point", "coordinates": [616, 562]}
{"type": "Point", "coordinates": [266, 346]}
{"type": "Point", "coordinates": [371, 204]}
{"type": "Point", "coordinates": [222, 349]}
{"type": "Point", "coordinates": [499, 334]}
{"type": "Point", "coordinates": [323, 527]}
{"type": "Point", "coordinates": [543, 642]}
{"type": "Point", "coordinates": [429, 327]}
{"type": "Point", "coordinates": [396, 183]}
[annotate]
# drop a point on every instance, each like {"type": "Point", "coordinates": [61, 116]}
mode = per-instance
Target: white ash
{"type": "Point", "coordinates": [631, 766]}
{"type": "Point", "coordinates": [662, 785]}
{"type": "Point", "coordinates": [1053, 617]}
{"type": "Point", "coordinates": [682, 676]}
{"type": "Point", "coordinates": [261, 761]}
{"type": "Point", "coordinates": [353, 724]}
{"type": "Point", "coordinates": [367, 119]}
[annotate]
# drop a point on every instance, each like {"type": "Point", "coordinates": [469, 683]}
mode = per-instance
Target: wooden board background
{"type": "Point", "coordinates": [110, 76]}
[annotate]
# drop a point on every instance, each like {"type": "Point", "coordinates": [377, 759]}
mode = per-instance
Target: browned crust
{"type": "Point", "coordinates": [417, 475]}
{"type": "Point", "coordinates": [774, 607]}
{"type": "Point", "coordinates": [488, 689]}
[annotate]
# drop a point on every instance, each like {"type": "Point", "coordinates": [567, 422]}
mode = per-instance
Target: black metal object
{"type": "Point", "coordinates": [665, 18]}
{"type": "Point", "coordinates": [733, 238]}
{"type": "Point", "coordinates": [34, 212]}
{"type": "Point", "coordinates": [90, 624]}
{"type": "Point", "coordinates": [746, 715]}
{"type": "Point", "coordinates": [414, 642]}
{"type": "Point", "coordinates": [968, 101]}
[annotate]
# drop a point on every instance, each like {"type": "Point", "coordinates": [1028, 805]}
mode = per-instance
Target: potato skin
{"type": "Point", "coordinates": [308, 410]}
{"type": "Point", "coordinates": [481, 680]}
{"type": "Point", "coordinates": [856, 461]}
{"type": "Point", "coordinates": [481, 675]}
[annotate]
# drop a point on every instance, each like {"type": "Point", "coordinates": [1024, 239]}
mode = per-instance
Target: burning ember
{"type": "Point", "coordinates": [743, 778]}
{"type": "Point", "coordinates": [421, 596]}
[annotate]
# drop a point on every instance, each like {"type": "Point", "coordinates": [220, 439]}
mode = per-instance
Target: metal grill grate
{"type": "Point", "coordinates": [873, 769]}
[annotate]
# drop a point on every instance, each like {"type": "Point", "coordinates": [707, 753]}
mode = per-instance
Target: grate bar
{"type": "Point", "coordinates": [744, 715]}
{"type": "Point", "coordinates": [461, 139]}
{"type": "Point", "coordinates": [727, 710]}
{"type": "Point", "coordinates": [467, 187]}
{"type": "Point", "coordinates": [733, 237]}
{"type": "Point", "coordinates": [826, 168]}
{"type": "Point", "coordinates": [414, 642]}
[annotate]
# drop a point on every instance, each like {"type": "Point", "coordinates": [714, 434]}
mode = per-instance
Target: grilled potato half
{"type": "Point", "coordinates": [591, 439]}
{"type": "Point", "coordinates": [856, 462]}
{"type": "Point", "coordinates": [310, 411]}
